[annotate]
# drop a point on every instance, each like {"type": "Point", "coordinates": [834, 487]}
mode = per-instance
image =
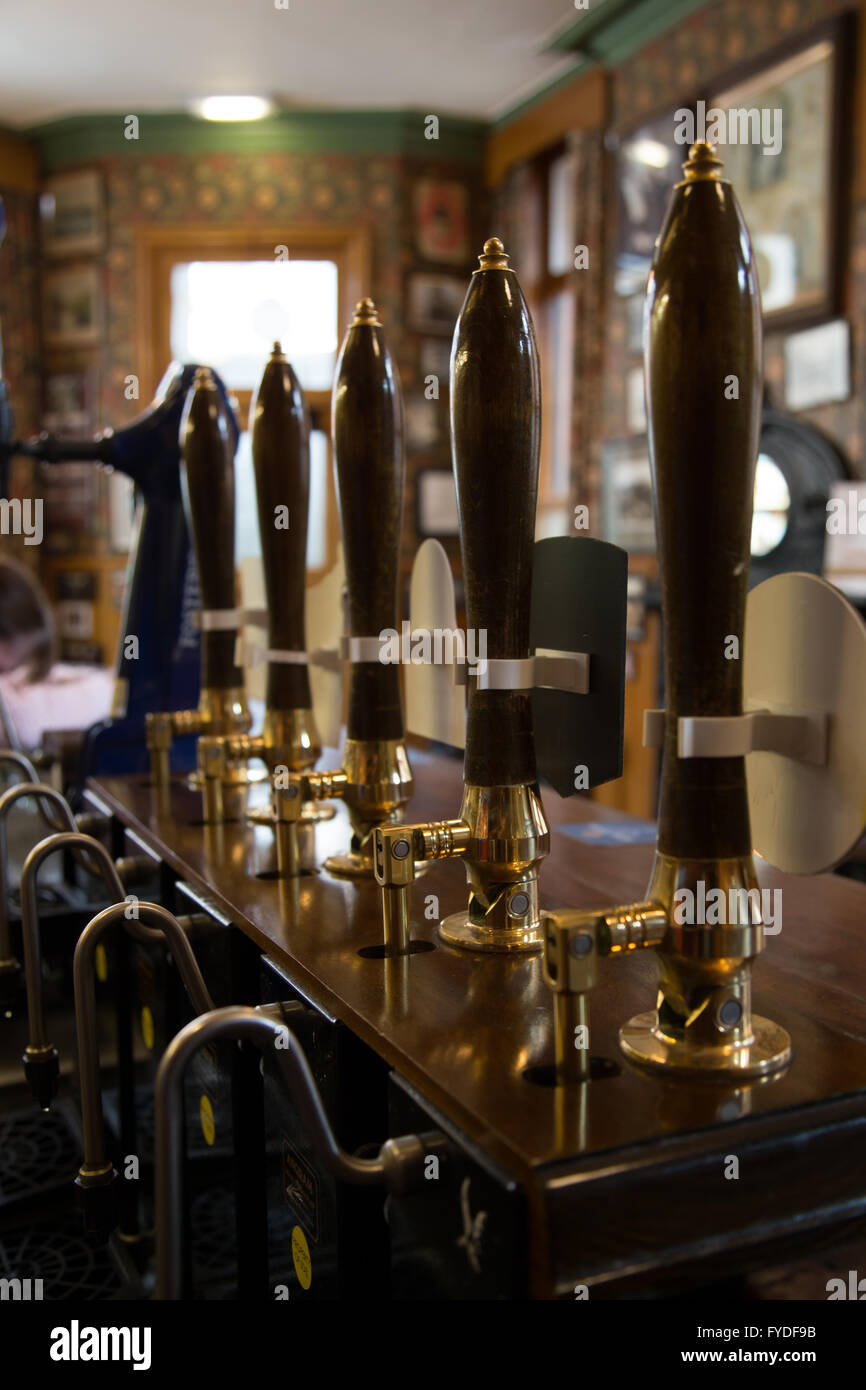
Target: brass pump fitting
{"type": "Point", "coordinates": [220, 714]}
{"type": "Point", "coordinates": [574, 941]}
{"type": "Point", "coordinates": [159, 735]}
{"type": "Point", "coordinates": [212, 758]}
{"type": "Point", "coordinates": [397, 851]}
{"type": "Point", "coordinates": [502, 837]}
{"type": "Point", "coordinates": [287, 744]}
{"type": "Point", "coordinates": [376, 783]}
{"type": "Point", "coordinates": [507, 838]}
{"type": "Point", "coordinates": [287, 806]}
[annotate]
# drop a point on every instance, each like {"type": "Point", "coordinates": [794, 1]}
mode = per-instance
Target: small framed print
{"type": "Point", "coordinates": [435, 360]}
{"type": "Point", "coordinates": [71, 207]}
{"type": "Point", "coordinates": [648, 164]}
{"type": "Point", "coordinates": [72, 307]}
{"type": "Point", "coordinates": [435, 302]}
{"type": "Point", "coordinates": [627, 495]}
{"type": "Point", "coordinates": [436, 503]}
{"type": "Point", "coordinates": [789, 183]}
{"type": "Point", "coordinates": [71, 403]}
{"type": "Point", "coordinates": [818, 366]}
{"type": "Point", "coordinates": [441, 221]}
{"type": "Point", "coordinates": [424, 422]}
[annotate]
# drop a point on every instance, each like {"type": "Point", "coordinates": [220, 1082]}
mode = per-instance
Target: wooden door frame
{"type": "Point", "coordinates": [158, 249]}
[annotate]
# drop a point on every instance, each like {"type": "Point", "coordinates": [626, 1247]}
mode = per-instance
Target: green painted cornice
{"type": "Point", "coordinates": [82, 139]}
{"type": "Point", "coordinates": [605, 35]}
{"type": "Point", "coordinates": [579, 70]}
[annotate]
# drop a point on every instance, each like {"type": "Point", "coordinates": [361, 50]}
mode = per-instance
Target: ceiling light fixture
{"type": "Point", "coordinates": [233, 108]}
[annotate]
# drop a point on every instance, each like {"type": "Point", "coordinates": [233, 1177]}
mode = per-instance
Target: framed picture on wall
{"type": "Point", "coordinates": [72, 306]}
{"type": "Point", "coordinates": [71, 403]}
{"type": "Point", "coordinates": [436, 503]}
{"type": "Point", "coordinates": [435, 360]}
{"type": "Point", "coordinates": [434, 301]}
{"type": "Point", "coordinates": [788, 180]}
{"type": "Point", "coordinates": [441, 220]}
{"type": "Point", "coordinates": [71, 208]}
{"type": "Point", "coordinates": [627, 495]}
{"type": "Point", "coordinates": [424, 423]}
{"type": "Point", "coordinates": [648, 164]}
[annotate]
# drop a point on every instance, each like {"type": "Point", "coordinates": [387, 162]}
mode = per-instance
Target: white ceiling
{"type": "Point", "coordinates": [466, 57]}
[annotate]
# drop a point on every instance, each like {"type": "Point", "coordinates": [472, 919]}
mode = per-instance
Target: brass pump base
{"type": "Point", "coordinates": [507, 838]}
{"type": "Point", "coordinates": [352, 864]}
{"type": "Point", "coordinates": [458, 930]}
{"type": "Point", "coordinates": [312, 811]}
{"type": "Point", "coordinates": [375, 781]}
{"type": "Point", "coordinates": [703, 1024]}
{"type": "Point", "coordinates": [769, 1050]}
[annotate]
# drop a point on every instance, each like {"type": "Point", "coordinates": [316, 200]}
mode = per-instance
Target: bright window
{"type": "Point", "coordinates": [229, 314]}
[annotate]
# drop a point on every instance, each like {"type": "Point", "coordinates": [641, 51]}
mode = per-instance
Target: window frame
{"type": "Point", "coordinates": [159, 249]}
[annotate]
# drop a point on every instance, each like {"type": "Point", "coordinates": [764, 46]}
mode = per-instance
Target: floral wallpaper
{"type": "Point", "coordinates": [215, 190]}
{"type": "Point", "coordinates": [19, 327]}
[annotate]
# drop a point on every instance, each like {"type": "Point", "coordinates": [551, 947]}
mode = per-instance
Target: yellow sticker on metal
{"type": "Point", "coordinates": [301, 1258]}
{"type": "Point", "coordinates": [101, 964]}
{"type": "Point", "coordinates": [205, 1114]}
{"type": "Point", "coordinates": [147, 1028]}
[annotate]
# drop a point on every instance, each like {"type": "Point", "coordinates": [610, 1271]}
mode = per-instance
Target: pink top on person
{"type": "Point", "coordinates": [68, 697]}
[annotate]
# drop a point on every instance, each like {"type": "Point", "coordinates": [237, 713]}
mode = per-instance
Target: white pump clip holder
{"type": "Point", "coordinates": [804, 730]}
{"type": "Point", "coordinates": [435, 707]}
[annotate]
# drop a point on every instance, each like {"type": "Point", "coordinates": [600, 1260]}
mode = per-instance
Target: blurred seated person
{"type": "Point", "coordinates": [37, 693]}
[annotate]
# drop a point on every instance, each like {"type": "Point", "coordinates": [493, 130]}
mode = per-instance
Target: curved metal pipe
{"type": "Point", "coordinates": [399, 1163]}
{"type": "Point", "coordinates": [44, 795]}
{"type": "Point", "coordinates": [19, 760]}
{"type": "Point", "coordinates": [164, 927]}
{"type": "Point", "coordinates": [30, 919]}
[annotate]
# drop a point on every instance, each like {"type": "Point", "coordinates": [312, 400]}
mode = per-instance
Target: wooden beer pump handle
{"type": "Point", "coordinates": [280, 429]}
{"type": "Point", "coordinates": [208, 492]}
{"type": "Point", "coordinates": [703, 377]}
{"type": "Point", "coordinates": [496, 434]}
{"type": "Point", "coordinates": [367, 428]}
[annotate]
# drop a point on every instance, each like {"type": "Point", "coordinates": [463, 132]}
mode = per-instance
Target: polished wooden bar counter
{"type": "Point", "coordinates": [626, 1178]}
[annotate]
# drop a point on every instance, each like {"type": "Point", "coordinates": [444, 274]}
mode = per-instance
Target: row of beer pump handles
{"type": "Point", "coordinates": [703, 444]}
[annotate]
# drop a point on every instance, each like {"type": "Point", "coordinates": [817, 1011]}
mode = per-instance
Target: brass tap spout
{"type": "Point", "coordinates": [574, 942]}
{"type": "Point", "coordinates": [398, 1166]}
{"type": "Point", "coordinates": [398, 850]}
{"type": "Point", "coordinates": [375, 780]}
